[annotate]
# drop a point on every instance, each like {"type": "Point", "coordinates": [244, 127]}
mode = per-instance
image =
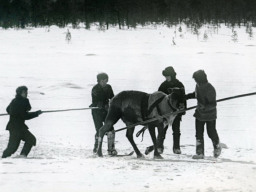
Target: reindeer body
{"type": "Point", "coordinates": [135, 106]}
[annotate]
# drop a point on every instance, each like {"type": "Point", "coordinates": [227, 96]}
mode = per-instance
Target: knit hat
{"type": "Point", "coordinates": [20, 89]}
{"type": "Point", "coordinates": [169, 71]}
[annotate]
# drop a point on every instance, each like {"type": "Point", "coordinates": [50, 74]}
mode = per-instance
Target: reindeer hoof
{"type": "Point", "coordinates": [149, 150]}
{"type": "Point", "coordinates": [140, 156]}
{"type": "Point", "coordinates": [160, 150]}
{"type": "Point", "coordinates": [158, 157]}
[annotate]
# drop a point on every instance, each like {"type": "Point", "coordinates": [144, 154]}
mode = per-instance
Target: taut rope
{"type": "Point", "coordinates": [181, 111]}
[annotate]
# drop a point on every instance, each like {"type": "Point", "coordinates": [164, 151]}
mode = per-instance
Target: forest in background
{"type": "Point", "coordinates": [126, 13]}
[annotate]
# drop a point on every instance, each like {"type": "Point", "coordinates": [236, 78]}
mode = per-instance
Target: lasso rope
{"type": "Point", "coordinates": [149, 120]}
{"type": "Point", "coordinates": [62, 110]}
{"type": "Point", "coordinates": [177, 112]}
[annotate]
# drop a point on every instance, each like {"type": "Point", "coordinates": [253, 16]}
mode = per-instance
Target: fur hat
{"type": "Point", "coordinates": [169, 71]}
{"type": "Point", "coordinates": [20, 89]}
{"type": "Point", "coordinates": [102, 76]}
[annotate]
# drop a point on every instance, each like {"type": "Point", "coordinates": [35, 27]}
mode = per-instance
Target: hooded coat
{"type": "Point", "coordinates": [206, 102]}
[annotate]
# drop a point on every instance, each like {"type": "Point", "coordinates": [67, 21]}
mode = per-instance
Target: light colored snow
{"type": "Point", "coordinates": [60, 75]}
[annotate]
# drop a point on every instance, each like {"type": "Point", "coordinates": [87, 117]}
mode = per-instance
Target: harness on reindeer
{"type": "Point", "coordinates": [151, 103]}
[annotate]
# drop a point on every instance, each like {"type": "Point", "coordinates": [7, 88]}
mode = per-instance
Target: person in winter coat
{"type": "Point", "coordinates": [101, 94]}
{"type": "Point", "coordinates": [205, 113]}
{"type": "Point", "coordinates": [18, 110]}
{"type": "Point", "coordinates": [172, 82]}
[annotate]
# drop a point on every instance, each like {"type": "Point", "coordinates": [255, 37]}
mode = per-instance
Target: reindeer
{"type": "Point", "coordinates": [135, 106]}
{"type": "Point", "coordinates": [68, 36]}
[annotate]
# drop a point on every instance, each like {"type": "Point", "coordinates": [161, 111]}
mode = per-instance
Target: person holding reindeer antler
{"type": "Point", "coordinates": [171, 82]}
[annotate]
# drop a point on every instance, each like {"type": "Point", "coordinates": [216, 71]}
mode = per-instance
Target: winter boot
{"type": "Point", "coordinates": [176, 151]}
{"type": "Point", "coordinates": [199, 149]}
{"type": "Point", "coordinates": [201, 156]}
{"type": "Point", "coordinates": [95, 145]}
{"type": "Point", "coordinates": [6, 153]}
{"type": "Point", "coordinates": [176, 144]}
{"type": "Point", "coordinates": [217, 150]}
{"type": "Point", "coordinates": [111, 143]}
{"type": "Point", "coordinates": [21, 157]}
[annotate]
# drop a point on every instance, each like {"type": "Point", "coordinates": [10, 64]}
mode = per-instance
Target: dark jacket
{"type": "Point", "coordinates": [18, 111]}
{"type": "Point", "coordinates": [171, 84]}
{"type": "Point", "coordinates": [206, 102]}
{"type": "Point", "coordinates": [101, 95]}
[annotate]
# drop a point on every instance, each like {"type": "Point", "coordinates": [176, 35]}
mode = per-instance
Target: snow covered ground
{"type": "Point", "coordinates": [60, 75]}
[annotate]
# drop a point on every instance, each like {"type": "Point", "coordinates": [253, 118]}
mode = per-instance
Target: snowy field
{"type": "Point", "coordinates": [60, 75]}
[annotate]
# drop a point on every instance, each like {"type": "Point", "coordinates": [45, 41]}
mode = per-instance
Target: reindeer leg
{"type": "Point", "coordinates": [153, 137]}
{"type": "Point", "coordinates": [105, 128]}
{"type": "Point", "coordinates": [160, 144]}
{"type": "Point", "coordinates": [149, 149]}
{"type": "Point", "coordinates": [129, 135]}
{"type": "Point", "coordinates": [160, 138]}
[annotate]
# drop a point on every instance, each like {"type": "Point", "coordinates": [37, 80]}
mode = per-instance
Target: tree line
{"type": "Point", "coordinates": [125, 13]}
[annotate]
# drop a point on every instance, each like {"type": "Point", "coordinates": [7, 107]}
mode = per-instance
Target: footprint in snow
{"type": "Point", "coordinates": [7, 163]}
{"type": "Point", "coordinates": [90, 54]}
{"type": "Point", "coordinates": [135, 167]}
{"type": "Point", "coordinates": [157, 170]}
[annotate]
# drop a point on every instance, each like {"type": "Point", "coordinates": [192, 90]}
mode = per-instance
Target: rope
{"type": "Point", "coordinates": [76, 109]}
{"type": "Point", "coordinates": [149, 120]}
{"type": "Point", "coordinates": [61, 110]}
{"type": "Point", "coordinates": [141, 131]}
{"type": "Point", "coordinates": [180, 111]}
{"type": "Point", "coordinates": [4, 114]}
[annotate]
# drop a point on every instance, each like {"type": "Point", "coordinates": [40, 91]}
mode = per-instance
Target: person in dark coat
{"type": "Point", "coordinates": [205, 113]}
{"type": "Point", "coordinates": [101, 94]}
{"type": "Point", "coordinates": [18, 110]}
{"type": "Point", "coordinates": [172, 82]}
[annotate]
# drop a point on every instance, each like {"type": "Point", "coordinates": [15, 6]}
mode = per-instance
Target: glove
{"type": "Point", "coordinates": [100, 105]}
{"type": "Point", "coordinates": [39, 112]}
{"type": "Point", "coordinates": [92, 105]}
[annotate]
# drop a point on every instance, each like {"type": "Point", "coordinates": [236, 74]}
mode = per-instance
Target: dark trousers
{"type": "Point", "coordinates": [99, 116]}
{"type": "Point", "coordinates": [14, 141]}
{"type": "Point", "coordinates": [175, 132]}
{"type": "Point", "coordinates": [211, 131]}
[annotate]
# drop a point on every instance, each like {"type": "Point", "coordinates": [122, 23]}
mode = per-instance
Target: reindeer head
{"type": "Point", "coordinates": [177, 98]}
